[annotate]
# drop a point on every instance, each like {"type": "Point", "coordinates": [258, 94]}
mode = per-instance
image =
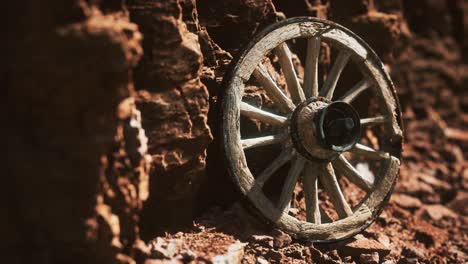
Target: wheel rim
{"type": "Point", "coordinates": [310, 169]}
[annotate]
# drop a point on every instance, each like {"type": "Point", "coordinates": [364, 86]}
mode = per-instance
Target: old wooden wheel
{"type": "Point", "coordinates": [314, 185]}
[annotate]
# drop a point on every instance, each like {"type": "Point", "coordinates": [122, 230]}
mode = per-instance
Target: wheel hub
{"type": "Point", "coordinates": [321, 130]}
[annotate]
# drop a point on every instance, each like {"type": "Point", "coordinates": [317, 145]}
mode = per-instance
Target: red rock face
{"type": "Point", "coordinates": [174, 106]}
{"type": "Point", "coordinates": [76, 176]}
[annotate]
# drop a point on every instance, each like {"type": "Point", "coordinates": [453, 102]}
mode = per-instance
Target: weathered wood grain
{"type": "Point", "coordinates": [261, 115]}
{"type": "Point", "coordinates": [272, 89]}
{"type": "Point", "coordinates": [263, 141]}
{"type": "Point", "coordinates": [309, 182]}
{"type": "Point", "coordinates": [311, 69]}
{"type": "Point", "coordinates": [334, 75]}
{"type": "Point", "coordinates": [287, 66]}
{"type": "Point", "coordinates": [344, 167]}
{"type": "Point", "coordinates": [332, 187]}
{"type": "Point", "coordinates": [369, 152]}
{"type": "Point", "coordinates": [356, 90]}
{"type": "Point", "coordinates": [290, 183]}
{"type": "Point", "coordinates": [370, 121]}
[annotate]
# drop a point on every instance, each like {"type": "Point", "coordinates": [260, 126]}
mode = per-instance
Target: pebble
{"type": "Point", "coordinates": [281, 239]}
{"type": "Point", "coordinates": [437, 212]}
{"type": "Point", "coordinates": [412, 252]}
{"type": "Point", "coordinates": [406, 201]}
{"type": "Point", "coordinates": [372, 258]}
{"type": "Point", "coordinates": [274, 255]}
{"type": "Point", "coordinates": [266, 241]}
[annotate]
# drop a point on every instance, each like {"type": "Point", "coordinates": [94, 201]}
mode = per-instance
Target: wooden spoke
{"type": "Point", "coordinates": [355, 91]}
{"type": "Point", "coordinates": [290, 183]}
{"type": "Point", "coordinates": [272, 89]}
{"type": "Point", "coordinates": [285, 156]}
{"type": "Point", "coordinates": [311, 69]}
{"type": "Point", "coordinates": [369, 152]}
{"type": "Point", "coordinates": [309, 183]}
{"type": "Point", "coordinates": [294, 87]}
{"type": "Point", "coordinates": [370, 121]}
{"type": "Point", "coordinates": [330, 184]}
{"type": "Point", "coordinates": [343, 166]}
{"type": "Point", "coordinates": [263, 141]}
{"type": "Point", "coordinates": [335, 72]}
{"type": "Point", "coordinates": [261, 115]}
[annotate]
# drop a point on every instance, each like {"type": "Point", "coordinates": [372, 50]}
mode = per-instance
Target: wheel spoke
{"type": "Point", "coordinates": [263, 141]}
{"type": "Point", "coordinates": [284, 56]}
{"type": "Point", "coordinates": [370, 121]}
{"type": "Point", "coordinates": [285, 156]}
{"type": "Point", "coordinates": [290, 183]}
{"type": "Point", "coordinates": [272, 89]}
{"type": "Point", "coordinates": [311, 69]}
{"type": "Point", "coordinates": [330, 184]}
{"type": "Point", "coordinates": [261, 115]}
{"type": "Point", "coordinates": [334, 75]}
{"type": "Point", "coordinates": [355, 91]}
{"type": "Point", "coordinates": [344, 167]}
{"type": "Point", "coordinates": [311, 193]}
{"type": "Point", "coordinates": [369, 152]}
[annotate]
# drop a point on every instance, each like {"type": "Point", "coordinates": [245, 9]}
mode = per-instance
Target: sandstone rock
{"type": "Point", "coordinates": [266, 241]}
{"type": "Point", "coordinates": [436, 212]}
{"type": "Point", "coordinates": [261, 260]}
{"type": "Point", "coordinates": [188, 255]}
{"type": "Point", "coordinates": [385, 240]}
{"type": "Point", "coordinates": [274, 255]}
{"type": "Point", "coordinates": [281, 239]}
{"type": "Point", "coordinates": [364, 246]}
{"type": "Point", "coordinates": [429, 234]}
{"type": "Point", "coordinates": [372, 258]}
{"type": "Point", "coordinates": [460, 203]}
{"type": "Point", "coordinates": [174, 107]}
{"type": "Point", "coordinates": [77, 170]}
{"type": "Point", "coordinates": [413, 252]}
{"type": "Point", "coordinates": [406, 201]}
{"type": "Point", "coordinates": [235, 253]}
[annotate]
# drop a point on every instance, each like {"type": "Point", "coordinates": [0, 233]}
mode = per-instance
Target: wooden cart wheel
{"type": "Point", "coordinates": [311, 129]}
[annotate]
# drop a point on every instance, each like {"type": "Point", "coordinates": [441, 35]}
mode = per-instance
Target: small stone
{"type": "Point", "coordinates": [266, 241]}
{"type": "Point", "coordinates": [459, 203]}
{"type": "Point", "coordinates": [412, 252]}
{"type": "Point", "coordinates": [428, 234]}
{"type": "Point", "coordinates": [437, 212]}
{"type": "Point", "coordinates": [408, 261]}
{"type": "Point", "coordinates": [348, 259]}
{"type": "Point", "coordinates": [334, 255]}
{"type": "Point", "coordinates": [385, 240]}
{"type": "Point", "coordinates": [294, 252]}
{"type": "Point", "coordinates": [188, 255]}
{"type": "Point", "coordinates": [406, 201]}
{"type": "Point", "coordinates": [315, 254]}
{"type": "Point", "coordinates": [372, 258]}
{"type": "Point", "coordinates": [281, 239]}
{"type": "Point", "coordinates": [274, 255]}
{"type": "Point", "coordinates": [364, 246]}
{"type": "Point", "coordinates": [124, 259]}
{"type": "Point", "coordinates": [172, 247]}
